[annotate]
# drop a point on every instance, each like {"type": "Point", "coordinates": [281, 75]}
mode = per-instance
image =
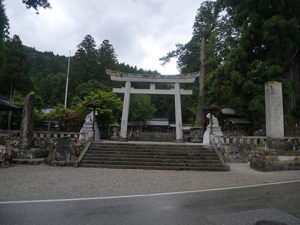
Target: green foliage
{"type": "Point", "coordinates": [84, 89]}
{"type": "Point", "coordinates": [52, 88]}
{"type": "Point", "coordinates": [57, 114]}
{"type": "Point", "coordinates": [141, 108]}
{"type": "Point", "coordinates": [110, 109]}
{"type": "Point", "coordinates": [15, 76]}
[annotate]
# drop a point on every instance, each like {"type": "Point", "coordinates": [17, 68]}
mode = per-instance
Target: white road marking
{"type": "Point", "coordinates": [148, 195]}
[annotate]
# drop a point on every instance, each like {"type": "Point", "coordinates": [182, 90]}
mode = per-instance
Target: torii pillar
{"type": "Point", "coordinates": [125, 112]}
{"type": "Point", "coordinates": [178, 115]}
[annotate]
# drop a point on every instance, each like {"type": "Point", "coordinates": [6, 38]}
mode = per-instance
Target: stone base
{"type": "Point", "coordinates": [278, 144]}
{"type": "Point", "coordinates": [114, 138]}
{"type": "Point", "coordinates": [274, 161]}
{"type": "Point", "coordinates": [28, 161]}
{"type": "Point", "coordinates": [32, 153]}
{"type": "Point", "coordinates": [122, 139]}
{"type": "Point", "coordinates": [196, 135]}
{"type": "Point", "coordinates": [179, 141]}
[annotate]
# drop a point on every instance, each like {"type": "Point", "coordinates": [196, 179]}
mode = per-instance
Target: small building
{"type": "Point", "coordinates": [233, 124]}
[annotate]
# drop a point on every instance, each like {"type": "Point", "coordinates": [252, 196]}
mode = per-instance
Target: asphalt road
{"type": "Point", "coordinates": [229, 206]}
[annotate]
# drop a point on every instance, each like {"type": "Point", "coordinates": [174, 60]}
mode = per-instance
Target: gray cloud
{"type": "Point", "coordinates": [140, 31]}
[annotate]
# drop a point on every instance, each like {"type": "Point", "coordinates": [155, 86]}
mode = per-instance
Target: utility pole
{"type": "Point", "coordinates": [67, 82]}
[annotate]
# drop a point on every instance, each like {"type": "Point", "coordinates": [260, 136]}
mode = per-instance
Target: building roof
{"type": "Point", "coordinates": [158, 122]}
{"type": "Point", "coordinates": [47, 110]}
{"type": "Point", "coordinates": [5, 106]}
{"type": "Point", "coordinates": [238, 121]}
{"type": "Point", "coordinates": [228, 111]}
{"type": "Point", "coordinates": [185, 126]}
{"type": "Point", "coordinates": [136, 123]}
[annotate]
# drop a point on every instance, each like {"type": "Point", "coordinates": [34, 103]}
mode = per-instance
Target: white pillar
{"type": "Point", "coordinates": [178, 117]}
{"type": "Point", "coordinates": [125, 112]}
{"type": "Point", "coordinates": [274, 110]}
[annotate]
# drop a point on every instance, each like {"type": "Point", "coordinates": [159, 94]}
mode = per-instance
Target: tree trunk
{"type": "Point", "coordinates": [293, 76]}
{"type": "Point", "coordinates": [200, 108]}
{"type": "Point", "coordinates": [11, 101]}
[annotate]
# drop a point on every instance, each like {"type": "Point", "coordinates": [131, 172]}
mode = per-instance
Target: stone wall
{"type": "Point", "coordinates": [239, 149]}
{"type": "Point", "coordinates": [44, 142]}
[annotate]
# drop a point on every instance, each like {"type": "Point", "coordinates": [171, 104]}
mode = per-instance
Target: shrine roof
{"type": "Point", "coordinates": [152, 78]}
{"type": "Point", "coordinates": [5, 106]}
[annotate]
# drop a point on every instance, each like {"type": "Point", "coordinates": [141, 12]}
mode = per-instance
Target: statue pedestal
{"type": "Point", "coordinates": [196, 135]}
{"type": "Point", "coordinates": [115, 134]}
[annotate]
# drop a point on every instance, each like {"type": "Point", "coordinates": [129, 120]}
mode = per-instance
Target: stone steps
{"type": "Point", "coordinates": [151, 156]}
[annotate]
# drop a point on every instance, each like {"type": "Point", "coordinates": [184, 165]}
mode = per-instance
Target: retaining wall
{"type": "Point", "coordinates": [240, 148]}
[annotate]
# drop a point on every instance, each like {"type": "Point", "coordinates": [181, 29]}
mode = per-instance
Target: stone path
{"type": "Point", "coordinates": [29, 182]}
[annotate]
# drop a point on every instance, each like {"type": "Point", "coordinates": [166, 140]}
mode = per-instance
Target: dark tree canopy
{"type": "Point", "coordinates": [37, 4]}
{"type": "Point", "coordinates": [4, 26]}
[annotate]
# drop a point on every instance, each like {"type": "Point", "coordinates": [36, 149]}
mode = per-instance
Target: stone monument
{"type": "Point", "coordinates": [26, 123]}
{"type": "Point", "coordinates": [274, 110]}
{"type": "Point", "coordinates": [212, 129]}
{"type": "Point", "coordinates": [87, 132]}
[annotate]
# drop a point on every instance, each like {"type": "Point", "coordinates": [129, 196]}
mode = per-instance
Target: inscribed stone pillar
{"type": "Point", "coordinates": [178, 116]}
{"type": "Point", "coordinates": [274, 110]}
{"type": "Point", "coordinates": [26, 123]}
{"type": "Point", "coordinates": [125, 112]}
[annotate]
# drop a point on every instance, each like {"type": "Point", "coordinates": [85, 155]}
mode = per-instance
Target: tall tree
{"type": "Point", "coordinates": [107, 60]}
{"type": "Point", "coordinates": [205, 44]}
{"type": "Point", "coordinates": [204, 25]}
{"type": "Point", "coordinates": [15, 69]}
{"type": "Point", "coordinates": [84, 66]}
{"type": "Point", "coordinates": [3, 33]}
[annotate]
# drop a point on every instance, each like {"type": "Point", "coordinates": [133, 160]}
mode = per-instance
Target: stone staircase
{"type": "Point", "coordinates": [152, 156]}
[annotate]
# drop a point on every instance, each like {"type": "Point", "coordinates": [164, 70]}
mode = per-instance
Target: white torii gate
{"type": "Point", "coordinates": [152, 79]}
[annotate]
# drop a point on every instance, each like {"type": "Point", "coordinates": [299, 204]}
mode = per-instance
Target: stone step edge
{"type": "Point", "coordinates": [137, 163]}
{"type": "Point", "coordinates": [221, 169]}
{"type": "Point", "coordinates": [151, 159]}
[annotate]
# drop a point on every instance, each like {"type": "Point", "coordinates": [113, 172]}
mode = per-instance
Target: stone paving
{"type": "Point", "coordinates": [38, 182]}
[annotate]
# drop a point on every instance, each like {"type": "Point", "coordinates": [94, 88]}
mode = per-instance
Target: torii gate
{"type": "Point", "coordinates": [128, 78]}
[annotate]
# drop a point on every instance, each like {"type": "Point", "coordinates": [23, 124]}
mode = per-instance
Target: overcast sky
{"type": "Point", "coordinates": [141, 31]}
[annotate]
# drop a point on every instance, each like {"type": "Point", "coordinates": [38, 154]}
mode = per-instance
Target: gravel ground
{"type": "Point", "coordinates": [29, 182]}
